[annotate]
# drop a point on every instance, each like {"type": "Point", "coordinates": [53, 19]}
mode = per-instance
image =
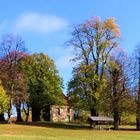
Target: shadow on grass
{"type": "Point", "coordinates": [74, 126]}
{"type": "Point", "coordinates": [56, 125]}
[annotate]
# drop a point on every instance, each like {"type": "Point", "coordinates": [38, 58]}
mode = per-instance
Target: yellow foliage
{"type": "Point", "coordinates": [4, 100]}
{"type": "Point", "coordinates": [112, 26]}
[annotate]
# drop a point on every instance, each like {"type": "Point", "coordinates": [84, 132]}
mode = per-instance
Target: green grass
{"type": "Point", "coordinates": [49, 131]}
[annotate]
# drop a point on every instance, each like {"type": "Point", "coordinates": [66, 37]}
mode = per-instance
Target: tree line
{"type": "Point", "coordinates": [104, 79]}
{"type": "Point", "coordinates": [27, 81]}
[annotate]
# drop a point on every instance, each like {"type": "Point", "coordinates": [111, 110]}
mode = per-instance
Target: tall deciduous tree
{"type": "Point", "coordinates": [116, 91]}
{"type": "Point", "coordinates": [93, 42]}
{"type": "Point", "coordinates": [137, 86]}
{"type": "Point", "coordinates": [12, 51]}
{"type": "Point", "coordinates": [44, 84]}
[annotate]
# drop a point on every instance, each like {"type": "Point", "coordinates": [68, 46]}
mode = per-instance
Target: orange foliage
{"type": "Point", "coordinates": [112, 26]}
{"type": "Point", "coordinates": [108, 25]}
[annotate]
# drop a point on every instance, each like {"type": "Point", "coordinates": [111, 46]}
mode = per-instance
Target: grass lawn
{"type": "Point", "coordinates": [48, 131]}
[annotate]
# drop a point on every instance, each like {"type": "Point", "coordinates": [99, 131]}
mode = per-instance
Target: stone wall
{"type": "Point", "coordinates": [61, 114]}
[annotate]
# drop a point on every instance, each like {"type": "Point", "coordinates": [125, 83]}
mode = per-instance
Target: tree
{"type": "Point", "coordinates": [93, 41]}
{"type": "Point", "coordinates": [78, 93]}
{"type": "Point", "coordinates": [116, 92]}
{"type": "Point", "coordinates": [26, 109]}
{"type": "Point", "coordinates": [4, 102]}
{"type": "Point", "coordinates": [138, 98]}
{"type": "Point", "coordinates": [136, 75]}
{"type": "Point", "coordinates": [12, 51]}
{"type": "Point", "coordinates": [44, 84]}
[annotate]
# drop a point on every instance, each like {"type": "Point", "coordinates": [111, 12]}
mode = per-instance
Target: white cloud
{"type": "Point", "coordinates": [41, 23]}
{"type": "Point", "coordinates": [64, 58]}
{"type": "Point", "coordinates": [64, 62]}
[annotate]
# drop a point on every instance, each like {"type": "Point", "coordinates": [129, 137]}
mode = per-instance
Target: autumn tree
{"type": "Point", "coordinates": [136, 83]}
{"type": "Point", "coordinates": [138, 94]}
{"type": "Point", "coordinates": [4, 102]}
{"type": "Point", "coordinates": [44, 83]}
{"type": "Point", "coordinates": [12, 50]}
{"type": "Point", "coordinates": [92, 42]}
{"type": "Point", "coordinates": [117, 90]}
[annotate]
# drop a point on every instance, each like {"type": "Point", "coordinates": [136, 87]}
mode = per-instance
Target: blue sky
{"type": "Point", "coordinates": [45, 24]}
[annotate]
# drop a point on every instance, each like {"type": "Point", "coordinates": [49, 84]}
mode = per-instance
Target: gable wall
{"type": "Point", "coordinates": [64, 115]}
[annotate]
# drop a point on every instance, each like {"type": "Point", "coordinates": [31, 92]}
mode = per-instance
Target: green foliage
{"type": "Point", "coordinates": [81, 89]}
{"type": "Point", "coordinates": [4, 100]}
{"type": "Point", "coordinates": [116, 99]}
{"type": "Point", "coordinates": [44, 84]}
{"type": "Point", "coordinates": [93, 41]}
{"type": "Point", "coordinates": [82, 116]}
{"type": "Point", "coordinates": [128, 118]}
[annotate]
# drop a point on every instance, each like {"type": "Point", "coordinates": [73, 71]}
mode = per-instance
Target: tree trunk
{"type": "Point", "coordinates": [137, 124]}
{"type": "Point", "coordinates": [19, 118]}
{"type": "Point", "coordinates": [116, 119]}
{"type": "Point", "coordinates": [10, 111]}
{"type": "Point", "coordinates": [138, 103]}
{"type": "Point", "coordinates": [2, 117]}
{"type": "Point", "coordinates": [36, 112]}
{"type": "Point", "coordinates": [93, 112]}
{"type": "Point", "coordinates": [46, 114]}
{"type": "Point", "coordinates": [27, 116]}
{"type": "Point", "coordinates": [26, 111]}
{"type": "Point", "coordinates": [115, 102]}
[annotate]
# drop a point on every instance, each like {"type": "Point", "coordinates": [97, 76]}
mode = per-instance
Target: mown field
{"type": "Point", "coordinates": [63, 132]}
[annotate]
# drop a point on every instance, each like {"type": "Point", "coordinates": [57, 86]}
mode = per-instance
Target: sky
{"type": "Point", "coordinates": [45, 25]}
